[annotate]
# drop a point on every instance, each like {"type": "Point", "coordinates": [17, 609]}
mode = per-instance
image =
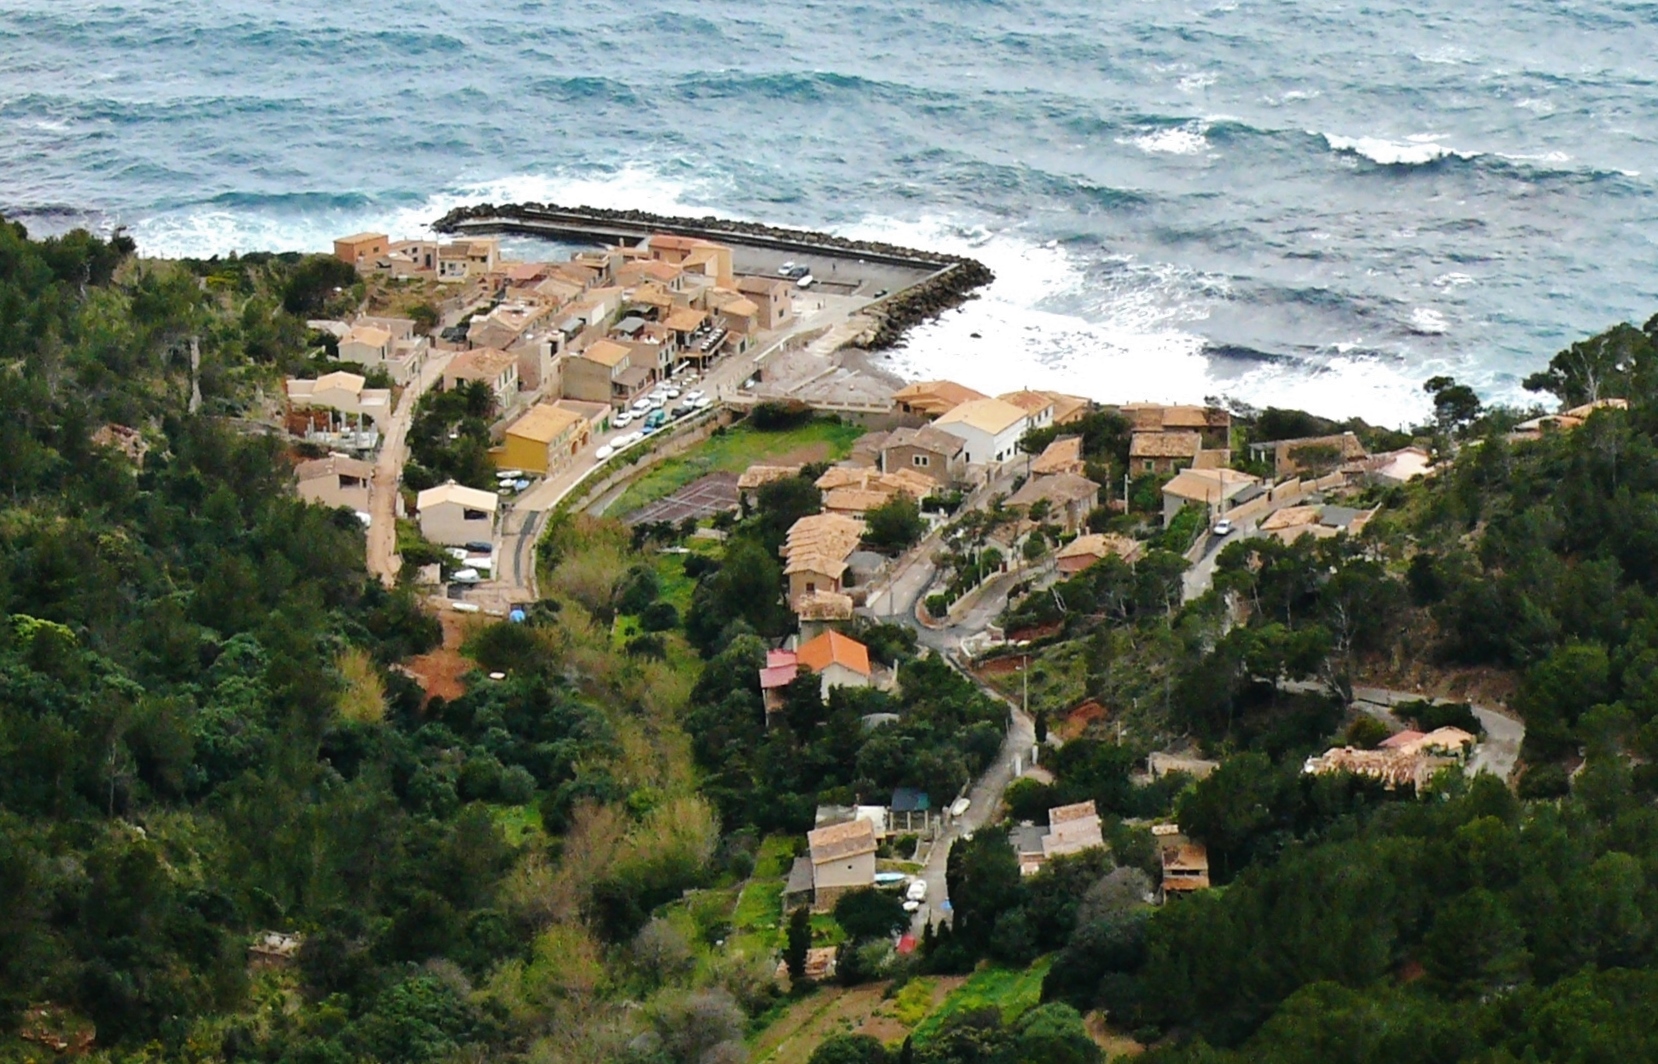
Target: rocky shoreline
{"type": "Point", "coordinates": [957, 280]}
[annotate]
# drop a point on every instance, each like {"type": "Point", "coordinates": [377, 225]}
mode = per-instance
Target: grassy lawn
{"type": "Point", "coordinates": [518, 823]}
{"type": "Point", "coordinates": [1013, 991]}
{"type": "Point", "coordinates": [676, 587]}
{"type": "Point", "coordinates": [734, 451]}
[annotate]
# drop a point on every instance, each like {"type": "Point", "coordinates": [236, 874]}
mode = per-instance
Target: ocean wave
{"type": "Point", "coordinates": [583, 89]}
{"type": "Point", "coordinates": [244, 221]}
{"type": "Point", "coordinates": [1420, 149]}
{"type": "Point", "coordinates": [1057, 317]}
{"type": "Point", "coordinates": [1185, 139]}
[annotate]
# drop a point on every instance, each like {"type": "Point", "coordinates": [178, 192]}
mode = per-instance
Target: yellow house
{"type": "Point", "coordinates": [543, 440]}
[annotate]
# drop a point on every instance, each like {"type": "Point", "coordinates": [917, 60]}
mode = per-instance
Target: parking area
{"type": "Point", "coordinates": [838, 274]}
{"type": "Point", "coordinates": [713, 494]}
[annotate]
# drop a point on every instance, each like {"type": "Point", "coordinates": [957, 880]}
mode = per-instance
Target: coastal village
{"type": "Point", "coordinates": [586, 359]}
{"type": "Point", "coordinates": [703, 663]}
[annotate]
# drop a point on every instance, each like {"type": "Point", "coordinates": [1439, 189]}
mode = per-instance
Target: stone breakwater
{"type": "Point", "coordinates": [955, 279]}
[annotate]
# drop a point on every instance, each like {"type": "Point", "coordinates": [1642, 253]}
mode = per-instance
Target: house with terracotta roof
{"type": "Point", "coordinates": [1319, 521]}
{"type": "Point", "coordinates": [1212, 423]}
{"type": "Point", "coordinates": [1215, 489]}
{"type": "Point", "coordinates": [505, 324]}
{"type": "Point", "coordinates": [1063, 455]}
{"type": "Point", "coordinates": [838, 660]}
{"type": "Point", "coordinates": [816, 551]}
{"type": "Point", "coordinates": [773, 295]}
{"type": "Point", "coordinates": [1071, 829]}
{"type": "Point", "coordinates": [840, 858]}
{"type": "Point", "coordinates": [1315, 455]}
{"type": "Point", "coordinates": [361, 249]}
{"type": "Point", "coordinates": [543, 441]}
{"type": "Point", "coordinates": [603, 372]}
{"type": "Point", "coordinates": [493, 368]}
{"type": "Point", "coordinates": [1085, 550]}
{"type": "Point", "coordinates": [692, 255]}
{"type": "Point", "coordinates": [931, 399]}
{"type": "Point", "coordinates": [335, 481]}
{"type": "Point", "coordinates": [989, 430]}
{"type": "Point", "coordinates": [344, 394]}
{"type": "Point", "coordinates": [1070, 499]}
{"type": "Point", "coordinates": [928, 450]}
{"type": "Point", "coordinates": [385, 343]}
{"type": "Point", "coordinates": [1069, 408]}
{"type": "Point", "coordinates": [454, 515]}
{"type": "Point", "coordinates": [1185, 868]}
{"type": "Point", "coordinates": [817, 611]}
{"type": "Point", "coordinates": [779, 671]}
{"type": "Point", "coordinates": [1163, 452]}
{"type": "Point", "coordinates": [1038, 406]}
{"type": "Point", "coordinates": [854, 490]}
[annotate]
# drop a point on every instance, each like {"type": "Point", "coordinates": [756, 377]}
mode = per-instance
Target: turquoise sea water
{"type": "Point", "coordinates": [1317, 204]}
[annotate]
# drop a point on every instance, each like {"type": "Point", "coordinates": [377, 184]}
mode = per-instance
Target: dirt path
{"type": "Point", "coordinates": [383, 560]}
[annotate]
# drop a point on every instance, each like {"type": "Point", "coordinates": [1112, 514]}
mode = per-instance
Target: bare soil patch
{"type": "Point", "coordinates": [440, 670]}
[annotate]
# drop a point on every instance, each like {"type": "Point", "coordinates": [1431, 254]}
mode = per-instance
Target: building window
{"type": "Point", "coordinates": [921, 460]}
{"type": "Point", "coordinates": [1150, 465]}
{"type": "Point", "coordinates": [474, 515]}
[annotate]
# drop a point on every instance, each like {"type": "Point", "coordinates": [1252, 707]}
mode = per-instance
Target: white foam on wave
{"type": "Point", "coordinates": [1427, 321]}
{"type": "Point", "coordinates": [1196, 82]}
{"type": "Point", "coordinates": [1135, 339]}
{"type": "Point", "coordinates": [1453, 279]}
{"type": "Point", "coordinates": [1171, 140]}
{"type": "Point", "coordinates": [1414, 150]}
{"type": "Point", "coordinates": [199, 232]}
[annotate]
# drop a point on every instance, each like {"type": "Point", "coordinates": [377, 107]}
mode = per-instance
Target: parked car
{"type": "Point", "coordinates": [797, 272]}
{"type": "Point", "coordinates": [704, 403]}
{"type": "Point", "coordinates": [693, 396]}
{"type": "Point", "coordinates": [917, 891]}
{"type": "Point", "coordinates": [1222, 527]}
{"type": "Point", "coordinates": [642, 405]}
{"type": "Point", "coordinates": [622, 420]}
{"type": "Point", "coordinates": [805, 281]}
{"type": "Point", "coordinates": [670, 393]}
{"type": "Point", "coordinates": [680, 410]}
{"type": "Point", "coordinates": [468, 575]}
{"type": "Point", "coordinates": [604, 452]}
{"type": "Point", "coordinates": [656, 418]}
{"type": "Point", "coordinates": [787, 269]}
{"type": "Point", "coordinates": [479, 546]}
{"type": "Point", "coordinates": [960, 806]}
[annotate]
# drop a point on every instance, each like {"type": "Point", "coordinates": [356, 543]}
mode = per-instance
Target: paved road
{"type": "Point", "coordinates": [1201, 574]}
{"type": "Point", "coordinates": [383, 560]}
{"type": "Point", "coordinates": [986, 797]}
{"type": "Point", "coordinates": [1499, 747]}
{"type": "Point", "coordinates": [515, 557]}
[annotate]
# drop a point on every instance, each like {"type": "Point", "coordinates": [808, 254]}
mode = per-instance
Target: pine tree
{"type": "Point", "coordinates": [800, 940]}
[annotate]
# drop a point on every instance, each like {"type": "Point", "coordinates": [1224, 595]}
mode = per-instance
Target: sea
{"type": "Point", "coordinates": [1274, 202]}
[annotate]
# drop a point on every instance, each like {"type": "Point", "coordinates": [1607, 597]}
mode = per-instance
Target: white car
{"type": "Point", "coordinates": [671, 393]}
{"type": "Point", "coordinates": [805, 282]}
{"type": "Point", "coordinates": [658, 404]}
{"type": "Point", "coordinates": [704, 403]}
{"type": "Point", "coordinates": [622, 420]}
{"type": "Point", "coordinates": [787, 269]}
{"type": "Point", "coordinates": [917, 891]}
{"type": "Point", "coordinates": [604, 452]}
{"type": "Point", "coordinates": [465, 576]}
{"type": "Point", "coordinates": [630, 439]}
{"type": "Point", "coordinates": [642, 405]}
{"type": "Point", "coordinates": [1222, 527]}
{"type": "Point", "coordinates": [691, 397]}
{"type": "Point", "coordinates": [911, 906]}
